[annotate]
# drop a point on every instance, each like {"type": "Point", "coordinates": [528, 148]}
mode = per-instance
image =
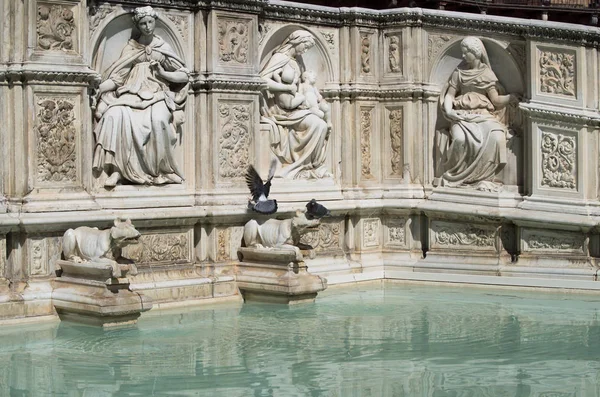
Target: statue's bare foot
{"type": "Point", "coordinates": [113, 179]}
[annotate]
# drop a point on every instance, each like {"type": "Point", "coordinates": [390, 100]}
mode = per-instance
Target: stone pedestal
{"type": "Point", "coordinates": [97, 294]}
{"type": "Point", "coordinates": [277, 275]}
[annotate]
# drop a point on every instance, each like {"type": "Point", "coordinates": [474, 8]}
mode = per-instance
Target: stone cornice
{"type": "Point", "coordinates": [560, 114]}
{"type": "Point", "coordinates": [378, 94]}
{"type": "Point", "coordinates": [32, 76]}
{"type": "Point", "coordinates": [223, 84]}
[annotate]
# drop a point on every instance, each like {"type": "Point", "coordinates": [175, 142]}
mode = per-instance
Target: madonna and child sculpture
{"type": "Point", "coordinates": [139, 109]}
{"type": "Point", "coordinates": [297, 115]}
{"type": "Point", "coordinates": [472, 150]}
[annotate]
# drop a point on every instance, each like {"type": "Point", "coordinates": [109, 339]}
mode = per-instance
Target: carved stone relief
{"type": "Point", "coordinates": [97, 15]}
{"type": "Point", "coordinates": [555, 242]}
{"type": "Point", "coordinates": [557, 72]}
{"type": "Point", "coordinates": [234, 140]}
{"type": "Point", "coordinates": [394, 55]}
{"type": "Point", "coordinates": [559, 157]}
{"type": "Point", "coordinates": [160, 248]}
{"type": "Point", "coordinates": [365, 53]}
{"type": "Point", "coordinates": [55, 27]}
{"type": "Point", "coordinates": [463, 236]}
{"type": "Point", "coordinates": [38, 257]}
{"type": "Point", "coordinates": [326, 238]}
{"type": "Point", "coordinates": [370, 232]}
{"type": "Point", "coordinates": [329, 38]}
{"type": "Point", "coordinates": [436, 43]}
{"type": "Point", "coordinates": [223, 246]}
{"type": "Point", "coordinates": [396, 232]}
{"type": "Point", "coordinates": [56, 144]}
{"type": "Point", "coordinates": [263, 31]}
{"type": "Point", "coordinates": [2, 258]}
{"type": "Point", "coordinates": [396, 135]}
{"type": "Point", "coordinates": [233, 36]}
{"type": "Point", "coordinates": [181, 24]}
{"type": "Point", "coordinates": [366, 115]}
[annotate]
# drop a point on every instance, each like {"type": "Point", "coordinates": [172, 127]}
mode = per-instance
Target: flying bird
{"type": "Point", "coordinates": [260, 191]}
{"type": "Point", "coordinates": [316, 210]}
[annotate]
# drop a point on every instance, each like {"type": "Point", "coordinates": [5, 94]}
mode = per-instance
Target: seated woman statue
{"type": "Point", "coordinates": [298, 135]}
{"type": "Point", "coordinates": [140, 106]}
{"type": "Point", "coordinates": [473, 151]}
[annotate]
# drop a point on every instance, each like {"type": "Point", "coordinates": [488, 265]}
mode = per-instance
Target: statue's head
{"type": "Point", "coordinates": [300, 40]}
{"type": "Point", "coordinates": [473, 45]}
{"type": "Point", "coordinates": [145, 19]}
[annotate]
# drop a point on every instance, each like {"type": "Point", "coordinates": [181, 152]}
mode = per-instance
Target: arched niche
{"type": "Point", "coordinates": [503, 64]}
{"type": "Point", "coordinates": [115, 32]}
{"type": "Point", "coordinates": [317, 58]}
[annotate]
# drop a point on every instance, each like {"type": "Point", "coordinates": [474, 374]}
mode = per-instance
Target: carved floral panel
{"type": "Point", "coordinates": [327, 238]}
{"type": "Point", "coordinates": [223, 245]}
{"type": "Point", "coordinates": [366, 119]}
{"type": "Point", "coordinates": [365, 53]}
{"type": "Point", "coordinates": [263, 31]}
{"type": "Point", "coordinates": [560, 241]}
{"type": "Point", "coordinates": [38, 258]}
{"type": "Point", "coordinates": [97, 15]}
{"type": "Point", "coordinates": [233, 37]}
{"type": "Point", "coordinates": [329, 38]}
{"type": "Point", "coordinates": [55, 27]}
{"type": "Point", "coordinates": [234, 140]}
{"type": "Point", "coordinates": [557, 72]}
{"type": "Point", "coordinates": [160, 248]}
{"type": "Point", "coordinates": [56, 146]}
{"type": "Point", "coordinates": [463, 236]}
{"type": "Point", "coordinates": [559, 158]}
{"type": "Point", "coordinates": [180, 22]}
{"type": "Point", "coordinates": [370, 232]}
{"type": "Point", "coordinates": [436, 43]}
{"type": "Point", "coordinates": [396, 232]}
{"type": "Point", "coordinates": [396, 135]}
{"type": "Point", "coordinates": [394, 54]}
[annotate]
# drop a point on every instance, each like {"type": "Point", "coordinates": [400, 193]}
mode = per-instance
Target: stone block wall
{"type": "Point", "coordinates": [382, 74]}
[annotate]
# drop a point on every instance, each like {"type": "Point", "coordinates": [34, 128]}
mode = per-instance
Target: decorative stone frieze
{"type": "Point", "coordinates": [235, 138]}
{"type": "Point", "coordinates": [233, 38]}
{"type": "Point", "coordinates": [396, 138]}
{"type": "Point", "coordinates": [559, 160]}
{"type": "Point", "coordinates": [366, 119]}
{"type": "Point", "coordinates": [365, 53]}
{"type": "Point", "coordinates": [558, 241]}
{"type": "Point", "coordinates": [325, 239]}
{"type": "Point", "coordinates": [462, 236]}
{"type": "Point", "coordinates": [161, 248]}
{"type": "Point", "coordinates": [56, 27]}
{"type": "Point", "coordinates": [56, 140]}
{"type": "Point", "coordinates": [557, 72]}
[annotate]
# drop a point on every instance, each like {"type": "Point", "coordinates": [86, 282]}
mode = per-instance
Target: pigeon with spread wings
{"type": "Point", "coordinates": [260, 191]}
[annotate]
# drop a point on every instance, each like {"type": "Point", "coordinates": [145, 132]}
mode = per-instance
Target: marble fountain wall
{"type": "Point", "coordinates": [531, 222]}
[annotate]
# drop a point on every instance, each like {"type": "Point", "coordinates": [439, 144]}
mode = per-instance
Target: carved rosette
{"type": "Point", "coordinates": [235, 139]}
{"type": "Point", "coordinates": [181, 24]}
{"type": "Point", "coordinates": [365, 53]}
{"type": "Point", "coordinates": [233, 36]}
{"type": "Point", "coordinates": [327, 238]}
{"type": "Point", "coordinates": [462, 236]}
{"type": "Point", "coordinates": [366, 115]}
{"type": "Point", "coordinates": [396, 232]}
{"type": "Point", "coordinates": [38, 257]}
{"type": "Point", "coordinates": [396, 132]}
{"type": "Point", "coordinates": [558, 242]}
{"type": "Point", "coordinates": [55, 27]}
{"type": "Point", "coordinates": [559, 156]}
{"type": "Point", "coordinates": [160, 248]}
{"type": "Point", "coordinates": [370, 232]}
{"type": "Point", "coordinates": [394, 55]}
{"type": "Point", "coordinates": [557, 72]}
{"type": "Point", "coordinates": [436, 43]}
{"type": "Point", "coordinates": [56, 141]}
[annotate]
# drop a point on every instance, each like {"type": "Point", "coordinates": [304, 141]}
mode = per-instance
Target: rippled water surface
{"type": "Point", "coordinates": [395, 340]}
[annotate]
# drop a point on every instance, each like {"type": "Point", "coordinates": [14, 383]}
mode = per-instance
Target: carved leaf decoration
{"type": "Point", "coordinates": [55, 27]}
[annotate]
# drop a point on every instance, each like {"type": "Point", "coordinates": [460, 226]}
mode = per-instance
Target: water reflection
{"type": "Point", "coordinates": [397, 341]}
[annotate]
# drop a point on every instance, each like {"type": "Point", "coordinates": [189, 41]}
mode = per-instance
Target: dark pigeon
{"type": "Point", "coordinates": [316, 210]}
{"type": "Point", "coordinates": [260, 191]}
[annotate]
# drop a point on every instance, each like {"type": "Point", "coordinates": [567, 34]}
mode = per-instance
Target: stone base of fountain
{"type": "Point", "coordinates": [277, 275]}
{"type": "Point", "coordinates": [97, 294]}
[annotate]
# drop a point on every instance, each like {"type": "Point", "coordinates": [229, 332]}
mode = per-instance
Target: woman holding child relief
{"type": "Point", "coordinates": [299, 130]}
{"type": "Point", "coordinates": [140, 106]}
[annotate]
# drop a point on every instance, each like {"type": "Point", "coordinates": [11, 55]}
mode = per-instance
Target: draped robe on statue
{"type": "Point", "coordinates": [136, 132]}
